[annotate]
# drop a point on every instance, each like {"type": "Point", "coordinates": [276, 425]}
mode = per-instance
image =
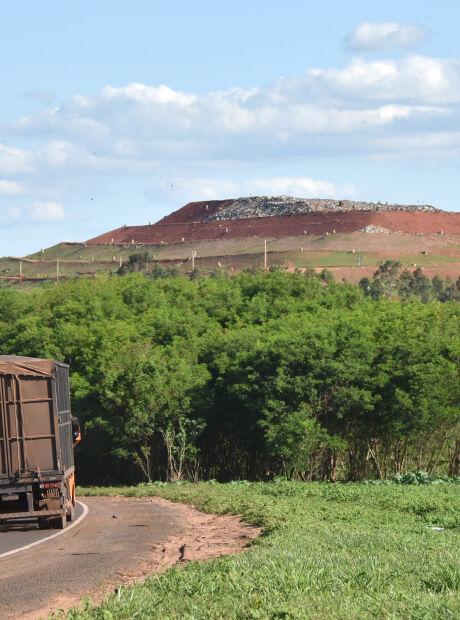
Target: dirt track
{"type": "Point", "coordinates": [121, 540]}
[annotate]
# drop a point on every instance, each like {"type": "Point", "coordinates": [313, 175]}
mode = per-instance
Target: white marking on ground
{"type": "Point", "coordinates": [42, 540]}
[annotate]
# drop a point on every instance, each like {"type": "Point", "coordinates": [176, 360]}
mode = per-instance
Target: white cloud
{"type": "Point", "coordinates": [185, 189]}
{"type": "Point", "coordinates": [373, 36]}
{"type": "Point", "coordinates": [415, 78]}
{"type": "Point", "coordinates": [314, 120]}
{"type": "Point", "coordinates": [9, 214]}
{"type": "Point", "coordinates": [374, 108]}
{"type": "Point", "coordinates": [140, 123]}
{"type": "Point", "coordinates": [10, 188]}
{"type": "Point", "coordinates": [192, 189]}
{"type": "Point", "coordinates": [14, 160]}
{"type": "Point", "coordinates": [37, 211]}
{"type": "Point", "coordinates": [301, 187]}
{"type": "Point", "coordinates": [150, 95]}
{"type": "Point", "coordinates": [46, 211]}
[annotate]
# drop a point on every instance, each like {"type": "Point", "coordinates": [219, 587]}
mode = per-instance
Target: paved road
{"type": "Point", "coordinates": [26, 533]}
{"type": "Point", "coordinates": [118, 535]}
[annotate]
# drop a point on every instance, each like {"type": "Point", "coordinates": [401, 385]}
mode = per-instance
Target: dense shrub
{"type": "Point", "coordinates": [247, 377]}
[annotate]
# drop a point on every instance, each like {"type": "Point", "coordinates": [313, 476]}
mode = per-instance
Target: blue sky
{"type": "Point", "coordinates": [114, 113]}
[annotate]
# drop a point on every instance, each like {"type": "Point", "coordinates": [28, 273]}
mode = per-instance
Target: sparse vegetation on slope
{"type": "Point", "coordinates": [352, 256]}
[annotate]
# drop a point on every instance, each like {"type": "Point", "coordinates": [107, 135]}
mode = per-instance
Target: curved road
{"type": "Point", "coordinates": [116, 539]}
{"type": "Point", "coordinates": [26, 533]}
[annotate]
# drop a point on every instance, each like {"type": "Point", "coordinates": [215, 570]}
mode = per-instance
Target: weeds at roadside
{"type": "Point", "coordinates": [327, 551]}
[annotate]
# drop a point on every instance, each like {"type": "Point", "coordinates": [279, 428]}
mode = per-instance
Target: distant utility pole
{"type": "Point", "coordinates": [193, 259]}
{"type": "Point", "coordinates": [265, 255]}
{"type": "Point", "coordinates": [20, 272]}
{"type": "Point", "coordinates": [57, 270]}
{"type": "Point", "coordinates": [359, 260]}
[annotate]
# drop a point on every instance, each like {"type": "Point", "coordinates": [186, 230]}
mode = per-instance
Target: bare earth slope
{"type": "Point", "coordinates": [279, 216]}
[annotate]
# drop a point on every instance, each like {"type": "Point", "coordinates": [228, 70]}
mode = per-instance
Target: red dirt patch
{"type": "Point", "coordinates": [186, 225]}
{"type": "Point", "coordinates": [196, 211]}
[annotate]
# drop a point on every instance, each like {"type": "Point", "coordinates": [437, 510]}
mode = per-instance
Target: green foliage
{"type": "Point", "coordinates": [136, 262]}
{"type": "Point", "coordinates": [326, 276]}
{"type": "Point", "coordinates": [254, 376]}
{"type": "Point", "coordinates": [327, 551]}
{"type": "Point", "coordinates": [292, 437]}
{"type": "Point", "coordinates": [388, 281]}
{"type": "Point", "coordinates": [416, 477]}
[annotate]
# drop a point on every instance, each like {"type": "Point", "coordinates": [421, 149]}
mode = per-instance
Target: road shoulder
{"type": "Point", "coordinates": [166, 533]}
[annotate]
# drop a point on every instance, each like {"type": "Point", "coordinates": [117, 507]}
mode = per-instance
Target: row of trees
{"type": "Point", "coordinates": [390, 281]}
{"type": "Point", "coordinates": [247, 377]}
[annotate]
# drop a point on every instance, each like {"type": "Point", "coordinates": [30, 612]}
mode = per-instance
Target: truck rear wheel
{"type": "Point", "coordinates": [44, 524]}
{"type": "Point", "coordinates": [71, 514]}
{"type": "Point", "coordinates": [60, 522]}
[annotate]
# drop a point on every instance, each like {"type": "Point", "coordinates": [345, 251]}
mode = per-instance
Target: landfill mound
{"type": "Point", "coordinates": [278, 216]}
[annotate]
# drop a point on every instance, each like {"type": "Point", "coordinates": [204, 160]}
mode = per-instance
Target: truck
{"type": "Point", "coordinates": [37, 438]}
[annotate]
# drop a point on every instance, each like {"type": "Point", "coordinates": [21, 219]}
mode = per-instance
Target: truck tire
{"type": "Point", "coordinates": [60, 522]}
{"type": "Point", "coordinates": [71, 514]}
{"type": "Point", "coordinates": [44, 524]}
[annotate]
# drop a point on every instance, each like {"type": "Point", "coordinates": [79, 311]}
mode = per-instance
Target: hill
{"type": "Point", "coordinates": [273, 216]}
{"type": "Point", "coordinates": [351, 238]}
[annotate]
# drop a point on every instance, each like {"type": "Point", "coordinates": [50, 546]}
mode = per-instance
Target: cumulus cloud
{"type": "Point", "coordinates": [189, 189]}
{"type": "Point", "coordinates": [183, 189]}
{"type": "Point", "coordinates": [419, 79]}
{"type": "Point", "coordinates": [302, 187]}
{"type": "Point", "coordinates": [374, 36]}
{"type": "Point", "coordinates": [376, 108]}
{"type": "Point", "coordinates": [36, 211]}
{"type": "Point", "coordinates": [10, 188]}
{"type": "Point", "coordinates": [14, 160]}
{"type": "Point", "coordinates": [46, 211]}
{"type": "Point", "coordinates": [139, 123]}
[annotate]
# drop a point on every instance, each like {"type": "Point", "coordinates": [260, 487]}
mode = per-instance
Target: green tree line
{"type": "Point", "coordinates": [247, 377]}
{"type": "Point", "coordinates": [390, 281]}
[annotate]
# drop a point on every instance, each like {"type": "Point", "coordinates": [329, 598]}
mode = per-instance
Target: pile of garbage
{"type": "Point", "coordinates": [269, 206]}
{"type": "Point", "coordinates": [374, 229]}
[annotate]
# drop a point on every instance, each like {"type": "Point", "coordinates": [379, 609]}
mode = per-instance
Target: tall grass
{"type": "Point", "coordinates": [327, 551]}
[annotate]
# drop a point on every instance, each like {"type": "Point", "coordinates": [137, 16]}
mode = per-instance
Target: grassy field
{"type": "Point", "coordinates": [327, 551]}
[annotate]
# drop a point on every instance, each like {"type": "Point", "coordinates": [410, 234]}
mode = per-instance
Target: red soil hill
{"type": "Point", "coordinates": [187, 224]}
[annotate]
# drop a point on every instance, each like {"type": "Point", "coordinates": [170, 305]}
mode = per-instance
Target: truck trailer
{"type": "Point", "coordinates": [37, 437]}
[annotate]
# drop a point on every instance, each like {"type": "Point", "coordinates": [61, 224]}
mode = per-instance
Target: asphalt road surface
{"type": "Point", "coordinates": [25, 533]}
{"type": "Point", "coordinates": [117, 535]}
